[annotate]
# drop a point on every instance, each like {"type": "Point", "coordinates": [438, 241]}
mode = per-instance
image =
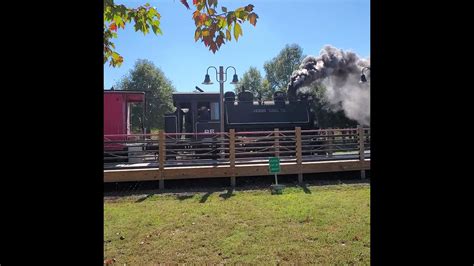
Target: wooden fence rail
{"type": "Point", "coordinates": [235, 154]}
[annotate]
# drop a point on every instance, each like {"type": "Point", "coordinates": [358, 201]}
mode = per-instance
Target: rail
{"type": "Point", "coordinates": [234, 151]}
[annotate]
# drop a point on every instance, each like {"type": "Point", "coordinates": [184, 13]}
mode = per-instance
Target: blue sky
{"type": "Point", "coordinates": [311, 24]}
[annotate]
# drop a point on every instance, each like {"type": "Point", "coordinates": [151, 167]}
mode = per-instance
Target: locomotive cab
{"type": "Point", "coordinates": [196, 112]}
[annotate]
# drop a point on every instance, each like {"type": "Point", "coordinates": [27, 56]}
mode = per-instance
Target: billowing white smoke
{"type": "Point", "coordinates": [339, 72]}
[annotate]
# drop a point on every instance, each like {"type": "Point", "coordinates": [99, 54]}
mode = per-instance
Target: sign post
{"type": "Point", "coordinates": [274, 167]}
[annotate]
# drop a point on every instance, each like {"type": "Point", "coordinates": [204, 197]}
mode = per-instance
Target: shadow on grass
{"type": "Point", "coordinates": [205, 196]}
{"type": "Point", "coordinates": [144, 198]}
{"type": "Point", "coordinates": [191, 187]}
{"type": "Point", "coordinates": [305, 189]}
{"type": "Point", "coordinates": [228, 194]}
{"type": "Point", "coordinates": [184, 197]}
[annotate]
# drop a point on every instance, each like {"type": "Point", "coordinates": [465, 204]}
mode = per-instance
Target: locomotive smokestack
{"type": "Point", "coordinates": [339, 72]}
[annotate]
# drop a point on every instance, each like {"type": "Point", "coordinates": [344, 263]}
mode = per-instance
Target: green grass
{"type": "Point", "coordinates": [325, 225]}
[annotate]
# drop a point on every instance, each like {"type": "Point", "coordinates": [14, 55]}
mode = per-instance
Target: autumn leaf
{"type": "Point", "coordinates": [185, 3]}
{"type": "Point", "coordinates": [212, 2]}
{"type": "Point", "coordinates": [197, 34]}
{"type": "Point", "coordinates": [113, 27]}
{"type": "Point", "coordinates": [230, 18]}
{"type": "Point", "coordinates": [219, 41]}
{"type": "Point", "coordinates": [196, 14]}
{"type": "Point", "coordinates": [253, 18]}
{"type": "Point", "coordinates": [207, 40]}
{"type": "Point", "coordinates": [213, 47]}
{"type": "Point", "coordinates": [146, 18]}
{"type": "Point", "coordinates": [203, 18]}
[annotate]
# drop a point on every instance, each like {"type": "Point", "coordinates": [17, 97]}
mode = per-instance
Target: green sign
{"type": "Point", "coordinates": [274, 165]}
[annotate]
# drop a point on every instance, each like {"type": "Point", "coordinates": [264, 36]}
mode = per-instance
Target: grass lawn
{"type": "Point", "coordinates": [317, 225]}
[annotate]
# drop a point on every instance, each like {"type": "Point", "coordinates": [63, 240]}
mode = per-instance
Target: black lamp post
{"type": "Point", "coordinates": [221, 79]}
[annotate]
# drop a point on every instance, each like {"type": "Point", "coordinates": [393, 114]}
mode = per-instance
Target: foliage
{"type": "Point", "coordinates": [145, 76]}
{"type": "Point", "coordinates": [212, 29]}
{"type": "Point", "coordinates": [327, 115]}
{"type": "Point", "coordinates": [252, 81]}
{"type": "Point", "coordinates": [279, 69]}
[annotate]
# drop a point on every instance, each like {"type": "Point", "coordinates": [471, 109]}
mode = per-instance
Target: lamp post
{"type": "Point", "coordinates": [363, 79]}
{"type": "Point", "coordinates": [221, 79]}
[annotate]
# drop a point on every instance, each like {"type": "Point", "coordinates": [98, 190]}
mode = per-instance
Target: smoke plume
{"type": "Point", "coordinates": [339, 72]}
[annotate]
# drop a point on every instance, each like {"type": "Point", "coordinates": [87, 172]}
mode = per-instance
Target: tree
{"type": "Point", "coordinates": [328, 116]}
{"type": "Point", "coordinates": [145, 76]}
{"type": "Point", "coordinates": [278, 70]}
{"type": "Point", "coordinates": [252, 81]}
{"type": "Point", "coordinates": [212, 29]}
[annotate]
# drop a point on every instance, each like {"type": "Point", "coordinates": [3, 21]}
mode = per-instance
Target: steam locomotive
{"type": "Point", "coordinates": [199, 112]}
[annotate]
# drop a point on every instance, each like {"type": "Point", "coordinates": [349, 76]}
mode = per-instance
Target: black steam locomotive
{"type": "Point", "coordinates": [198, 112]}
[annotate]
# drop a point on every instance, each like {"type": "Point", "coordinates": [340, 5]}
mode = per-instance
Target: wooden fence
{"type": "Point", "coordinates": [234, 154]}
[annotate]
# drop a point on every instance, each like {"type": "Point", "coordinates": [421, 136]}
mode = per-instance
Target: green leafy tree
{"type": "Point", "coordinates": [252, 81]}
{"type": "Point", "coordinates": [279, 69]}
{"type": "Point", "coordinates": [325, 114]}
{"type": "Point", "coordinates": [145, 76]}
{"type": "Point", "coordinates": [212, 28]}
{"type": "Point", "coordinates": [267, 91]}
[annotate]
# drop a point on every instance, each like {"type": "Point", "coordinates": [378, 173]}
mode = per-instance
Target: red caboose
{"type": "Point", "coordinates": [117, 119]}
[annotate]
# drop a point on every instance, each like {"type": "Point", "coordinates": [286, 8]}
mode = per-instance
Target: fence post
{"type": "Point", "coordinates": [298, 153]}
{"type": "Point", "coordinates": [277, 143]}
{"type": "Point", "coordinates": [361, 149]}
{"type": "Point", "coordinates": [162, 158]}
{"type": "Point", "coordinates": [330, 134]}
{"type": "Point", "coordinates": [232, 156]}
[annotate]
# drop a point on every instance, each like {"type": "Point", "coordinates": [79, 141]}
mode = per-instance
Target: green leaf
{"type": "Point", "coordinates": [224, 9]}
{"type": "Point", "coordinates": [118, 20]}
{"type": "Point", "coordinates": [241, 14]}
{"type": "Point", "coordinates": [227, 35]}
{"type": "Point", "coordinates": [221, 23]}
{"type": "Point", "coordinates": [237, 31]}
{"type": "Point", "coordinates": [156, 29]}
{"type": "Point", "coordinates": [201, 5]}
